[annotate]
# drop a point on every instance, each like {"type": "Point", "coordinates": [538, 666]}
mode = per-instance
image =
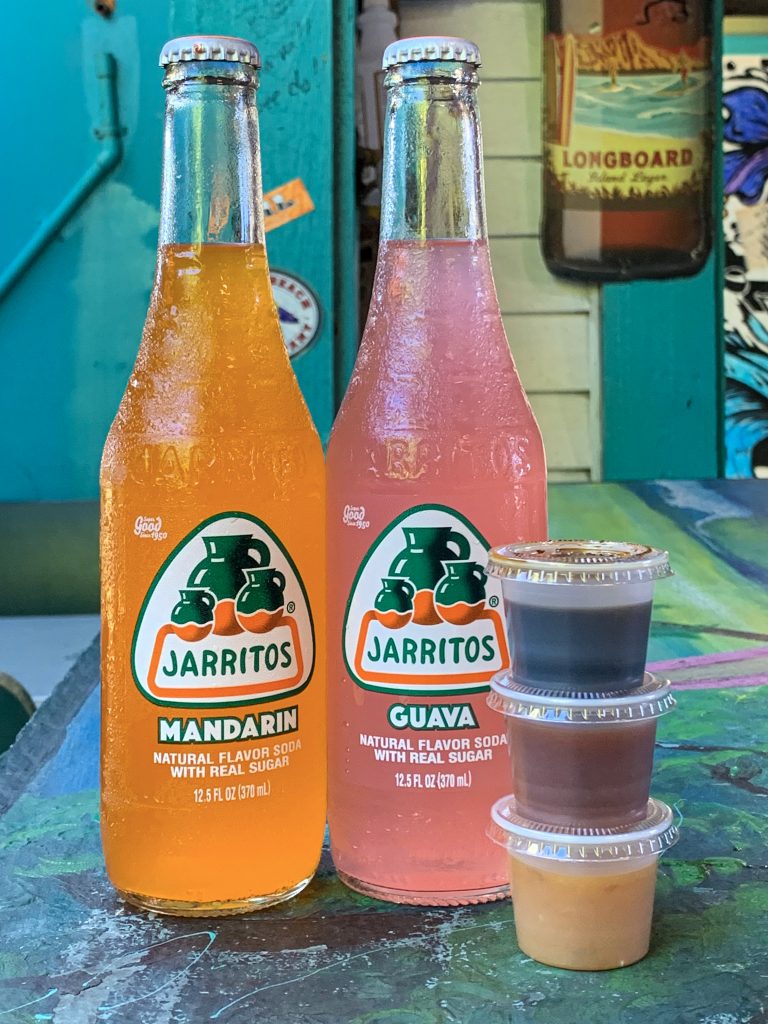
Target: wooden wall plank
{"type": "Point", "coordinates": [513, 196]}
{"type": "Point", "coordinates": [508, 32]}
{"type": "Point", "coordinates": [564, 422]}
{"type": "Point", "coordinates": [551, 352]}
{"type": "Point", "coordinates": [511, 117]}
{"type": "Point", "coordinates": [525, 285]}
{"type": "Point", "coordinates": [569, 476]}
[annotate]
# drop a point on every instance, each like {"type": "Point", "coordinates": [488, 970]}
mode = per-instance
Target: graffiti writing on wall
{"type": "Point", "coordinates": [745, 216]}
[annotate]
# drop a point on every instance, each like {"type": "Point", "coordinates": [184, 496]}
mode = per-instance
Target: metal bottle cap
{"type": "Point", "coordinates": [224, 48]}
{"type": "Point", "coordinates": [419, 48]}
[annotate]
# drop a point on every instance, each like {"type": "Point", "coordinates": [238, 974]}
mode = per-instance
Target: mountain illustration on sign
{"type": "Point", "coordinates": [628, 53]}
{"type": "Point", "coordinates": [432, 580]}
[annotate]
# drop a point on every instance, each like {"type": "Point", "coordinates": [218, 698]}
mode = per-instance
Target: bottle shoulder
{"type": "Point", "coordinates": [385, 396]}
{"type": "Point", "coordinates": [214, 397]}
{"type": "Point", "coordinates": [169, 413]}
{"type": "Point", "coordinates": [283, 462]}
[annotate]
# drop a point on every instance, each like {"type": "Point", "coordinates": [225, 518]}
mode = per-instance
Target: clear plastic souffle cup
{"type": "Point", "coordinates": [583, 898]}
{"type": "Point", "coordinates": [581, 760]}
{"type": "Point", "coordinates": [578, 611]}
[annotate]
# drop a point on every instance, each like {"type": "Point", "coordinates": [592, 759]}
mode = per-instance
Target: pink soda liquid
{"type": "Point", "coordinates": [435, 455]}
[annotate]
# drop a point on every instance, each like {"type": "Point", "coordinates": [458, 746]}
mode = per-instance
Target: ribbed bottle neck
{"type": "Point", "coordinates": [432, 184]}
{"type": "Point", "coordinates": [211, 189]}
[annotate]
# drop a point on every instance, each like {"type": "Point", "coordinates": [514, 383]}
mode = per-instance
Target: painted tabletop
{"type": "Point", "coordinates": [70, 951]}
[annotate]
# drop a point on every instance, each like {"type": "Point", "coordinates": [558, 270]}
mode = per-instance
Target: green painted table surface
{"type": "Point", "coordinates": [71, 952]}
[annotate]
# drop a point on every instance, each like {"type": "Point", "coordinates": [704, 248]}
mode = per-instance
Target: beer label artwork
{"type": "Point", "coordinates": [226, 620]}
{"type": "Point", "coordinates": [627, 109]}
{"type": "Point", "coordinates": [422, 616]}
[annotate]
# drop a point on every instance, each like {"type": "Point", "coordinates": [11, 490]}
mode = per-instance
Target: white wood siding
{"type": "Point", "coordinates": [551, 351]}
{"type": "Point", "coordinates": [513, 196]}
{"type": "Point", "coordinates": [511, 115]}
{"type": "Point", "coordinates": [553, 327]}
{"type": "Point", "coordinates": [525, 285]}
{"type": "Point", "coordinates": [507, 31]}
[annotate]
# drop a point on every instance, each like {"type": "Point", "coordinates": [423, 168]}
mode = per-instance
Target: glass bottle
{"type": "Point", "coordinates": [434, 456]}
{"type": "Point", "coordinates": [213, 738]}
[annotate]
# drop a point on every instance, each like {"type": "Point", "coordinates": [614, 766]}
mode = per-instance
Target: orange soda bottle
{"type": "Point", "coordinates": [212, 544]}
{"type": "Point", "coordinates": [434, 456]}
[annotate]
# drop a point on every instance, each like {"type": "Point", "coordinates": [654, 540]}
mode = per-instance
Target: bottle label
{"type": "Point", "coordinates": [226, 620]}
{"type": "Point", "coordinates": [422, 617]}
{"type": "Point", "coordinates": [627, 107]}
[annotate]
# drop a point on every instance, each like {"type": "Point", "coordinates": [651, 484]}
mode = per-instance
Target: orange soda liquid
{"type": "Point", "coordinates": [435, 455]}
{"type": "Point", "coordinates": [213, 563]}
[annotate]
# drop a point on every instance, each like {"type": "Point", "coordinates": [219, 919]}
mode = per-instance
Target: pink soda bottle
{"type": "Point", "coordinates": [434, 457]}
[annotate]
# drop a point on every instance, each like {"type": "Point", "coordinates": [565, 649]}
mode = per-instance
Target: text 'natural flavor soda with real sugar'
{"type": "Point", "coordinates": [435, 454]}
{"type": "Point", "coordinates": [212, 545]}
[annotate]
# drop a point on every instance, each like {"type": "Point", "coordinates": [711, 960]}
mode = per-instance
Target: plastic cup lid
{"type": "Point", "coordinates": [651, 700]}
{"type": "Point", "coordinates": [653, 835]}
{"type": "Point", "coordinates": [578, 561]}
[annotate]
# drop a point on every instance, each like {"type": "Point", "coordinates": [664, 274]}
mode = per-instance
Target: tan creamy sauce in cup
{"type": "Point", "coordinates": [583, 916]}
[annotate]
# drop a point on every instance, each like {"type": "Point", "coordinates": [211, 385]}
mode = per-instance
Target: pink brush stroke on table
{"type": "Point", "coordinates": [722, 658]}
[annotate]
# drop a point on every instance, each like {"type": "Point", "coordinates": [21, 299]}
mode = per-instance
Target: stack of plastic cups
{"type": "Point", "coordinates": [583, 836]}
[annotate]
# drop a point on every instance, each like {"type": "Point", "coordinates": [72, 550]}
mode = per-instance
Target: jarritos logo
{"type": "Point", "coordinates": [226, 620]}
{"type": "Point", "coordinates": [422, 617]}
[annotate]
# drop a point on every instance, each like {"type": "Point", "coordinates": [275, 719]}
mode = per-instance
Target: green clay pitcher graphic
{"type": "Point", "coordinates": [259, 605]}
{"type": "Point", "coordinates": [192, 617]}
{"type": "Point", "coordinates": [393, 606]}
{"type": "Point", "coordinates": [460, 594]}
{"type": "Point", "coordinates": [421, 562]}
{"type": "Point", "coordinates": [221, 571]}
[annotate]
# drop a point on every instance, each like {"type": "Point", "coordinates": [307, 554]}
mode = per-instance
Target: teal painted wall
{"type": "Point", "coordinates": [70, 329]}
{"type": "Point", "coordinates": [662, 378]}
{"type": "Point", "coordinates": [662, 357]}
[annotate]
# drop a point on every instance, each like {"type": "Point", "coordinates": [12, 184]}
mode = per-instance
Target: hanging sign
{"type": "Point", "coordinates": [299, 310]}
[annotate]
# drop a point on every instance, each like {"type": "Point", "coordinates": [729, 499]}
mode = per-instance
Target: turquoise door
{"type": "Point", "coordinates": [663, 357]}
{"type": "Point", "coordinates": [81, 182]}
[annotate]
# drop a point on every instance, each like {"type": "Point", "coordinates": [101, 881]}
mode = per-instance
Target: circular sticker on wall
{"type": "Point", "coordinates": [299, 310]}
